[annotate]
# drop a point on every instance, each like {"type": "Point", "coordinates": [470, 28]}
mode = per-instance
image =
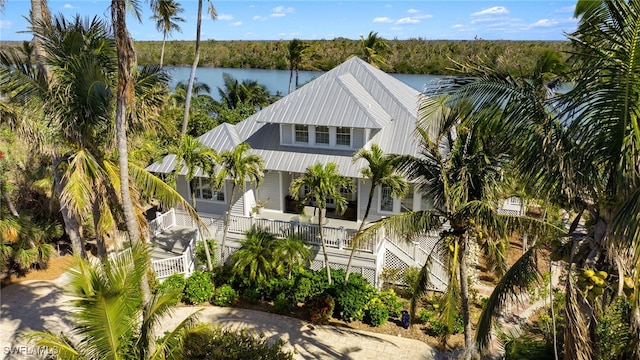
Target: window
{"type": "Point", "coordinates": [347, 193]}
{"type": "Point", "coordinates": [386, 200]}
{"type": "Point", "coordinates": [322, 135]}
{"type": "Point", "coordinates": [343, 136]}
{"type": "Point", "coordinates": [406, 204]}
{"type": "Point", "coordinates": [514, 201]}
{"type": "Point", "coordinates": [203, 190]}
{"type": "Point", "coordinates": [302, 134]}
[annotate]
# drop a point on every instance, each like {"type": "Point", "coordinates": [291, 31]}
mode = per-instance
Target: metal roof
{"type": "Point", "coordinates": [353, 94]}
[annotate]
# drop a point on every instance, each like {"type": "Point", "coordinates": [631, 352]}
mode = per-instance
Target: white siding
{"type": "Point", "coordinates": [358, 138]}
{"type": "Point", "coordinates": [363, 197]}
{"type": "Point", "coordinates": [286, 132]}
{"type": "Point", "coordinates": [269, 191]}
{"type": "Point", "coordinates": [238, 202]}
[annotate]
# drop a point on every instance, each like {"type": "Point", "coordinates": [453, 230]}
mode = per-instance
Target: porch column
{"type": "Point", "coordinates": [280, 191]}
{"type": "Point", "coordinates": [358, 187]}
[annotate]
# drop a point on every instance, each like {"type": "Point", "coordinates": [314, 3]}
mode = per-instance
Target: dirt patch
{"type": "Point", "coordinates": [56, 267]}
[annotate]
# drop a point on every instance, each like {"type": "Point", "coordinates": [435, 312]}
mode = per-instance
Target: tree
{"type": "Point", "coordinates": [291, 252]}
{"type": "Point", "coordinates": [238, 166]}
{"type": "Point", "coordinates": [248, 92]}
{"type": "Point", "coordinates": [196, 59]}
{"type": "Point", "coordinates": [323, 183]}
{"type": "Point", "coordinates": [165, 14]}
{"type": "Point", "coordinates": [379, 171]}
{"type": "Point", "coordinates": [109, 319]}
{"type": "Point", "coordinates": [295, 56]}
{"type": "Point", "coordinates": [374, 50]}
{"type": "Point", "coordinates": [255, 258]}
{"type": "Point", "coordinates": [195, 156]}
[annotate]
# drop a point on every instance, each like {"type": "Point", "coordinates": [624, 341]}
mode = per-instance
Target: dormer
{"type": "Point", "coordinates": [322, 136]}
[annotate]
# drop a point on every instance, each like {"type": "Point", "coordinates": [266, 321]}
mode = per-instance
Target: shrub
{"type": "Point", "coordinates": [210, 342]}
{"type": "Point", "coordinates": [376, 312]}
{"type": "Point", "coordinates": [278, 285]}
{"type": "Point", "coordinates": [225, 295]}
{"type": "Point", "coordinates": [201, 256]}
{"type": "Point", "coordinates": [425, 316]}
{"type": "Point", "coordinates": [392, 301]}
{"type": "Point", "coordinates": [321, 308]}
{"type": "Point", "coordinates": [351, 300]}
{"type": "Point", "coordinates": [199, 288]}
{"type": "Point", "coordinates": [251, 295]}
{"type": "Point", "coordinates": [410, 278]}
{"type": "Point", "coordinates": [175, 282]}
{"type": "Point", "coordinates": [281, 304]}
{"type": "Point", "coordinates": [302, 290]}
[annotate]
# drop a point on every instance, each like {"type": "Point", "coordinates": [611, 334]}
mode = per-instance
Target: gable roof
{"type": "Point", "coordinates": [353, 94]}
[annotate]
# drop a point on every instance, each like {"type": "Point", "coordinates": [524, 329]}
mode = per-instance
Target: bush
{"type": "Point", "coordinates": [199, 288]}
{"type": "Point", "coordinates": [201, 256]}
{"type": "Point", "coordinates": [392, 302]}
{"type": "Point", "coordinates": [321, 308]}
{"type": "Point", "coordinates": [377, 313]}
{"type": "Point", "coordinates": [225, 295]}
{"type": "Point", "coordinates": [425, 316]}
{"type": "Point", "coordinates": [281, 304]}
{"type": "Point", "coordinates": [251, 295]}
{"type": "Point", "coordinates": [410, 278]}
{"type": "Point", "coordinates": [210, 342]}
{"type": "Point", "coordinates": [351, 300]}
{"type": "Point", "coordinates": [302, 290]}
{"type": "Point", "coordinates": [175, 282]}
{"type": "Point", "coordinates": [278, 285]}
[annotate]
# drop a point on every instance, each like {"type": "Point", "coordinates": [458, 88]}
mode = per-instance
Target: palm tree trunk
{"type": "Point", "coordinates": [356, 239]}
{"type": "Point", "coordinates": [192, 76]}
{"type": "Point", "coordinates": [7, 199]}
{"type": "Point", "coordinates": [290, 79]}
{"type": "Point", "coordinates": [164, 39]}
{"type": "Point", "coordinates": [124, 99]}
{"type": "Point", "coordinates": [71, 226]}
{"type": "Point", "coordinates": [40, 15]}
{"type": "Point", "coordinates": [297, 75]}
{"type": "Point", "coordinates": [100, 244]}
{"type": "Point", "coordinates": [226, 223]}
{"type": "Point", "coordinates": [464, 299]}
{"type": "Point", "coordinates": [324, 246]}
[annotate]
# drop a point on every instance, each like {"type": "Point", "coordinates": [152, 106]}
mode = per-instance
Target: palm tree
{"type": "Point", "coordinates": [291, 252]}
{"type": "Point", "coordinates": [248, 92]}
{"type": "Point", "coordinates": [165, 14]}
{"type": "Point", "coordinates": [193, 155]}
{"type": "Point", "coordinates": [379, 171]}
{"type": "Point", "coordinates": [374, 49]}
{"type": "Point", "coordinates": [323, 183]}
{"type": "Point", "coordinates": [295, 56]}
{"type": "Point", "coordinates": [239, 166]}
{"type": "Point", "coordinates": [255, 257]}
{"type": "Point", "coordinates": [109, 321]}
{"type": "Point", "coordinates": [196, 59]}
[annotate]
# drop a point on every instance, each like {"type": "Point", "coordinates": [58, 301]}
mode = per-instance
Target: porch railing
{"type": "Point", "coordinates": [162, 222]}
{"type": "Point", "coordinates": [335, 237]}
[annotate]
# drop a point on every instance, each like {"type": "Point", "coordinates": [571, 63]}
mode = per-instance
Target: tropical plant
{"type": "Point", "coordinates": [196, 60]}
{"type": "Point", "coordinates": [320, 184]}
{"type": "Point", "coordinates": [374, 50]}
{"type": "Point", "coordinates": [24, 243]}
{"type": "Point", "coordinates": [238, 166]}
{"type": "Point", "coordinates": [379, 171]}
{"type": "Point", "coordinates": [255, 257]}
{"type": "Point", "coordinates": [109, 321]}
{"type": "Point", "coordinates": [165, 14]}
{"type": "Point", "coordinates": [248, 92]}
{"type": "Point", "coordinates": [292, 252]}
{"type": "Point", "coordinates": [295, 56]}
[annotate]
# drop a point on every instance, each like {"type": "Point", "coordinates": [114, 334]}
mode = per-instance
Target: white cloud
{"type": "Point", "coordinates": [237, 23]}
{"type": "Point", "coordinates": [413, 11]}
{"type": "Point", "coordinates": [407, 20]}
{"type": "Point", "coordinates": [488, 19]}
{"type": "Point", "coordinates": [277, 15]}
{"type": "Point", "coordinates": [258, 17]}
{"type": "Point", "coordinates": [5, 24]}
{"type": "Point", "coordinates": [496, 10]}
{"type": "Point", "coordinates": [545, 23]}
{"type": "Point", "coordinates": [383, 19]}
{"type": "Point", "coordinates": [424, 16]}
{"type": "Point", "coordinates": [396, 28]}
{"type": "Point", "coordinates": [225, 17]}
{"type": "Point", "coordinates": [458, 26]}
{"type": "Point", "coordinates": [284, 10]}
{"type": "Point", "coordinates": [68, 6]}
{"type": "Point", "coordinates": [388, 6]}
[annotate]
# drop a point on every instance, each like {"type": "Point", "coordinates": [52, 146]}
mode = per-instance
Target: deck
{"type": "Point", "coordinates": [172, 242]}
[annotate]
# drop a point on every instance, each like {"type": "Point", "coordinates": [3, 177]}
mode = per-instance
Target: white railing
{"type": "Point", "coordinates": [121, 255]}
{"type": "Point", "coordinates": [162, 222]}
{"type": "Point", "coordinates": [335, 237]}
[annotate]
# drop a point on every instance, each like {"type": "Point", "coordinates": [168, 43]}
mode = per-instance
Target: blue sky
{"type": "Point", "coordinates": [276, 20]}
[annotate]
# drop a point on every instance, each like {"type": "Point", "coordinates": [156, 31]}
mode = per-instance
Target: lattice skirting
{"type": "Point", "coordinates": [367, 273]}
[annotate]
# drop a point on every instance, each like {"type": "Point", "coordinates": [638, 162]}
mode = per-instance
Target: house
{"type": "Point", "coordinates": [350, 107]}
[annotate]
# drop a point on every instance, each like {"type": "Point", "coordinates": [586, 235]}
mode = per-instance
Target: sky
{"type": "Point", "coordinates": [314, 20]}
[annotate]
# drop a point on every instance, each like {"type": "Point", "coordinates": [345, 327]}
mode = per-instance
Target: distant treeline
{"type": "Point", "coordinates": [415, 56]}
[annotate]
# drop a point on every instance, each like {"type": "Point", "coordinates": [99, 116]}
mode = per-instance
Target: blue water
{"type": "Point", "coordinates": [274, 80]}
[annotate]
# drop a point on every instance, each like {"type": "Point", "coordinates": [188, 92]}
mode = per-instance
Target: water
{"type": "Point", "coordinates": [274, 80]}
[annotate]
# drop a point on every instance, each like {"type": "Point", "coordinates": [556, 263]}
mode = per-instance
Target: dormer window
{"type": "Point", "coordinates": [343, 136]}
{"type": "Point", "coordinates": [322, 135]}
{"type": "Point", "coordinates": [302, 134]}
